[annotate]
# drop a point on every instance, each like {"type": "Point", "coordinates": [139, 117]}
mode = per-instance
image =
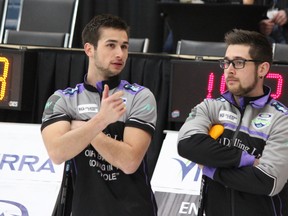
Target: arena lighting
{"type": "Point", "coordinates": [17, 78]}
{"type": "Point", "coordinates": [193, 81]}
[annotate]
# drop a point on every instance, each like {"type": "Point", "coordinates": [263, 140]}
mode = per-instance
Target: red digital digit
{"type": "Point", "coordinates": [3, 78]}
{"type": "Point", "coordinates": [211, 82]}
{"type": "Point", "coordinates": [222, 84]}
{"type": "Point", "coordinates": [279, 86]}
{"type": "Point", "coordinates": [210, 85]}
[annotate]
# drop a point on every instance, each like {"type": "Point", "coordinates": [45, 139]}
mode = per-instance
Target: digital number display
{"type": "Point", "coordinates": [16, 79]}
{"type": "Point", "coordinates": [4, 62]}
{"type": "Point", "coordinates": [193, 81]}
{"type": "Point", "coordinates": [271, 77]}
{"type": "Point", "coordinates": [10, 80]}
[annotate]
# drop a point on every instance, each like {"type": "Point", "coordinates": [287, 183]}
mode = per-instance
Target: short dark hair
{"type": "Point", "coordinates": [91, 32]}
{"type": "Point", "coordinates": [260, 47]}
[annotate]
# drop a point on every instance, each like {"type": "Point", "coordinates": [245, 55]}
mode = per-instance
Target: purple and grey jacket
{"type": "Point", "coordinates": [100, 188]}
{"type": "Point", "coordinates": [257, 129]}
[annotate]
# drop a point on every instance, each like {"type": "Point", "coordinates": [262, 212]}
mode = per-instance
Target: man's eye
{"type": "Point", "coordinates": [226, 63]}
{"type": "Point", "coordinates": [238, 62]}
{"type": "Point", "coordinates": [111, 45]}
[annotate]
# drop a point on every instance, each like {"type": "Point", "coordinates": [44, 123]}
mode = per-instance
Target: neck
{"type": "Point", "coordinates": [93, 78]}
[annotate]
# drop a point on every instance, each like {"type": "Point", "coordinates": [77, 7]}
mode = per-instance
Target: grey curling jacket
{"type": "Point", "coordinates": [258, 128]}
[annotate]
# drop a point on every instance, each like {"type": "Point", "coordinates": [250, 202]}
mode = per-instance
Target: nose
{"type": "Point", "coordinates": [230, 64]}
{"type": "Point", "coordinates": [230, 69]}
{"type": "Point", "coordinates": [119, 52]}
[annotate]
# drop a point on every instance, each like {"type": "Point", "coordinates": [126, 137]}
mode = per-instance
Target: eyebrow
{"type": "Point", "coordinates": [235, 57]}
{"type": "Point", "coordinates": [115, 41]}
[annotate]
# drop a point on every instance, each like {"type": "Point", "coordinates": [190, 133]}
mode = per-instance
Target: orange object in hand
{"type": "Point", "coordinates": [216, 131]}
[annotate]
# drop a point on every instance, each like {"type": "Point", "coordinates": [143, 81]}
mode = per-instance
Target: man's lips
{"type": "Point", "coordinates": [231, 79]}
{"type": "Point", "coordinates": [118, 63]}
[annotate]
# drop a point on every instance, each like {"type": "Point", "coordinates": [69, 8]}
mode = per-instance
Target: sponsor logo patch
{"type": "Point", "coordinates": [49, 106]}
{"type": "Point", "coordinates": [228, 116]}
{"type": "Point", "coordinates": [87, 108]}
{"type": "Point", "coordinates": [279, 107]}
{"type": "Point", "coordinates": [262, 120]}
{"type": "Point", "coordinates": [132, 88]}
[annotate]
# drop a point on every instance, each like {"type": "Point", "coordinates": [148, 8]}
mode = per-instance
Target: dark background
{"type": "Point", "coordinates": [142, 16]}
{"type": "Point", "coordinates": [154, 19]}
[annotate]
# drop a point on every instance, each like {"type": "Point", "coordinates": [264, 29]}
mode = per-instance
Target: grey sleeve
{"type": "Point", "coordinates": [199, 121]}
{"type": "Point", "coordinates": [143, 111]}
{"type": "Point", "coordinates": [55, 110]}
{"type": "Point", "coordinates": [274, 159]}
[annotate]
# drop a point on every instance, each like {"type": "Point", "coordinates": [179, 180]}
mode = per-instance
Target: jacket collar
{"type": "Point", "coordinates": [258, 102]}
{"type": "Point", "coordinates": [113, 82]}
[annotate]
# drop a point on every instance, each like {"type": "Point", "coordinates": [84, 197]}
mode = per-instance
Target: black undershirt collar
{"type": "Point", "coordinates": [113, 82]}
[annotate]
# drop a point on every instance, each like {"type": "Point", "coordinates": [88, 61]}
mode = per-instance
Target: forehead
{"type": "Point", "coordinates": [234, 51]}
{"type": "Point", "coordinates": [112, 34]}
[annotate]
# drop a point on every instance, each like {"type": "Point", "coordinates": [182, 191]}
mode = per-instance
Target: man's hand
{"type": "Point", "coordinates": [112, 107]}
{"type": "Point", "coordinates": [280, 18]}
{"type": "Point", "coordinates": [256, 162]}
{"type": "Point", "coordinates": [266, 26]}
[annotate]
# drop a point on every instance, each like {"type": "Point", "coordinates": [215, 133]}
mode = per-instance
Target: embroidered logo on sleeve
{"type": "Point", "coordinates": [133, 88]}
{"type": "Point", "coordinates": [49, 106]}
{"type": "Point", "coordinates": [279, 107]}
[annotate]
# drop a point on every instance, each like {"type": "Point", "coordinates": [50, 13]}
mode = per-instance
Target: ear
{"type": "Point", "coordinates": [89, 49]}
{"type": "Point", "coordinates": [263, 69]}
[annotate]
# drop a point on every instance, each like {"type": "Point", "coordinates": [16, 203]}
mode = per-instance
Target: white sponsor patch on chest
{"type": "Point", "coordinates": [85, 108]}
{"type": "Point", "coordinates": [227, 116]}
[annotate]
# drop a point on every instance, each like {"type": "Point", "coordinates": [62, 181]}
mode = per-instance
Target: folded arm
{"type": "Point", "coordinates": [63, 143]}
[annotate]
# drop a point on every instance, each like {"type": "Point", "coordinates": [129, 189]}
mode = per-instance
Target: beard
{"type": "Point", "coordinates": [106, 73]}
{"type": "Point", "coordinates": [240, 91]}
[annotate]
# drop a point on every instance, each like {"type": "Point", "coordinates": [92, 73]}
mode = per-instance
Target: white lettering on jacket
{"type": "Point", "coordinates": [85, 108]}
{"type": "Point", "coordinates": [228, 116]}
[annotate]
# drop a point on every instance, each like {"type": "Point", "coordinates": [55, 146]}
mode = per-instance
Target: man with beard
{"type": "Point", "coordinates": [246, 168]}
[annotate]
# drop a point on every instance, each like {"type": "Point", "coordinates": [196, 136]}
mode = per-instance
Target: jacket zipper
{"type": "Point", "coordinates": [232, 142]}
{"type": "Point", "coordinates": [232, 203]}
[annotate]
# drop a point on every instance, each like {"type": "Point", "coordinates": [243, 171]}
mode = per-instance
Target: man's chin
{"type": "Point", "coordinates": [114, 73]}
{"type": "Point", "coordinates": [234, 91]}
